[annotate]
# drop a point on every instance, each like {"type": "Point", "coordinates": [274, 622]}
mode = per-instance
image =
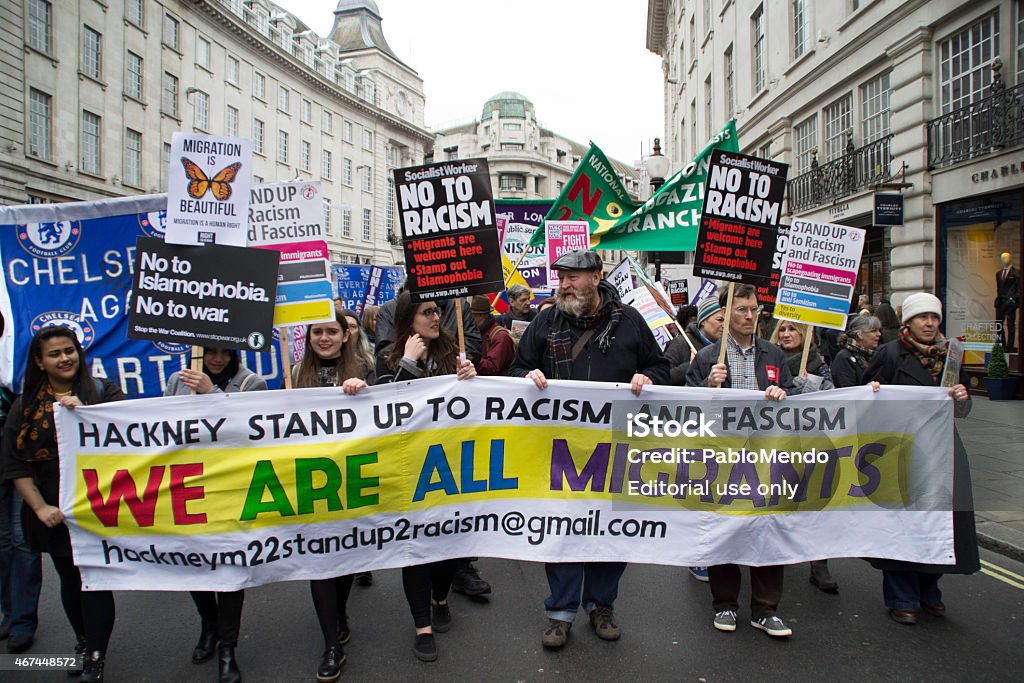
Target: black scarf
{"type": "Point", "coordinates": [560, 337]}
{"type": "Point", "coordinates": [813, 361]}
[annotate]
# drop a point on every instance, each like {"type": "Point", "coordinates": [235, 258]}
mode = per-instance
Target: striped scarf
{"type": "Point", "coordinates": [560, 338]}
{"type": "Point", "coordinates": [932, 356]}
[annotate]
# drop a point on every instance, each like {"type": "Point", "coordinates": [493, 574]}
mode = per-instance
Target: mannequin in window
{"type": "Point", "coordinates": [1007, 301]}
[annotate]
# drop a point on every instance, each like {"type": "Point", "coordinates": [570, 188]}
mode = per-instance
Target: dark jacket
{"type": "Point", "coordinates": [633, 349]}
{"type": "Point", "coordinates": [769, 356]}
{"type": "Point", "coordinates": [46, 475]}
{"type": "Point", "coordinates": [1008, 290]}
{"type": "Point", "coordinates": [848, 369]}
{"type": "Point", "coordinates": [499, 349]}
{"type": "Point", "coordinates": [895, 364]}
{"type": "Point", "coordinates": [505, 319]}
{"type": "Point", "coordinates": [386, 326]}
{"type": "Point", "coordinates": [679, 354]}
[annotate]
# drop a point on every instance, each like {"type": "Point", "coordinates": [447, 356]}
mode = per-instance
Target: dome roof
{"type": "Point", "coordinates": [508, 104]}
{"type": "Point", "coordinates": [351, 5]}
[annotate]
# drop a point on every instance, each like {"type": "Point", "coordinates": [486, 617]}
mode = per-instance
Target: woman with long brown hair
{"type": "Point", "coordinates": [331, 360]}
{"type": "Point", "coordinates": [56, 372]}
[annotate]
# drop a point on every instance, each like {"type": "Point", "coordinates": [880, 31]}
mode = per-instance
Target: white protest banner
{"type": "Point", "coordinates": [561, 237]}
{"type": "Point", "coordinates": [643, 300]}
{"type": "Point", "coordinates": [227, 491]}
{"type": "Point", "coordinates": [954, 361]}
{"type": "Point", "coordinates": [622, 278]}
{"type": "Point", "coordinates": [288, 218]}
{"type": "Point", "coordinates": [208, 190]}
{"type": "Point", "coordinates": [819, 272]}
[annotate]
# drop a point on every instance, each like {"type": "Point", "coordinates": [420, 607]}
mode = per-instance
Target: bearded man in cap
{"type": "Point", "coordinates": [590, 335]}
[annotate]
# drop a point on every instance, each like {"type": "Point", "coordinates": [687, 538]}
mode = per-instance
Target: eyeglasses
{"type": "Point", "coordinates": [749, 310]}
{"type": "Point", "coordinates": [431, 312]}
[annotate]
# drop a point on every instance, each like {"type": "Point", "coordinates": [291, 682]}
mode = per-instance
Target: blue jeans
{"type": "Point", "coordinates": [21, 572]}
{"type": "Point", "coordinates": [596, 582]}
{"type": "Point", "coordinates": [907, 590]}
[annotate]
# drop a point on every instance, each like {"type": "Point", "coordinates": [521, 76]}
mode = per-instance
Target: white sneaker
{"type": "Point", "coordinates": [773, 626]}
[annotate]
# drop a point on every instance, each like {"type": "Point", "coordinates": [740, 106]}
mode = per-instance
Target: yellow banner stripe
{"type": "Point", "coordinates": [811, 316]}
{"type": "Point", "coordinates": [304, 312]}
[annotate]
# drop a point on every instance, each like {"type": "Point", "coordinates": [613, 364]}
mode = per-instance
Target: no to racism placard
{"type": "Point", "coordinates": [819, 273]}
{"type": "Point", "coordinates": [742, 206]}
{"type": "Point", "coordinates": [288, 218]}
{"type": "Point", "coordinates": [208, 189]}
{"type": "Point", "coordinates": [227, 491]}
{"type": "Point", "coordinates": [208, 296]}
{"type": "Point", "coordinates": [449, 231]}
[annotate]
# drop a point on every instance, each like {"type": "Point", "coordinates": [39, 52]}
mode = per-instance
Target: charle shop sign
{"type": "Point", "coordinates": [1015, 168]}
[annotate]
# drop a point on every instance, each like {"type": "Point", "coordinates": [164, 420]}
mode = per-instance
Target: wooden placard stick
{"type": "Point", "coordinates": [196, 363]}
{"type": "Point", "coordinates": [462, 332]}
{"type": "Point", "coordinates": [808, 335]}
{"type": "Point", "coordinates": [725, 326]}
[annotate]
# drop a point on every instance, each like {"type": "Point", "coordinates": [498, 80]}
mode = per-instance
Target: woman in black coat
{"type": "Point", "coordinates": [856, 346]}
{"type": "Point", "coordinates": [917, 358]}
{"type": "Point", "coordinates": [56, 371]}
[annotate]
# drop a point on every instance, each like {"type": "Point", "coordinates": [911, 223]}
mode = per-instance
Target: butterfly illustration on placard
{"type": "Point", "coordinates": [220, 184]}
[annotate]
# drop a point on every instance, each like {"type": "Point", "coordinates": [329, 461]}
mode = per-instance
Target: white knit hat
{"type": "Point", "coordinates": [919, 303]}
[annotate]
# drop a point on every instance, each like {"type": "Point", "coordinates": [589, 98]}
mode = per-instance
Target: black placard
{"type": "Point", "coordinates": [449, 232]}
{"type": "Point", "coordinates": [678, 291]}
{"type": "Point", "coordinates": [742, 206]}
{"type": "Point", "coordinates": [212, 295]}
{"type": "Point", "coordinates": [888, 209]}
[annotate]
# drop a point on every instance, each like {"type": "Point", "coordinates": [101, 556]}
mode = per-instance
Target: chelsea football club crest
{"type": "Point", "coordinates": [82, 328]}
{"type": "Point", "coordinates": [47, 240]}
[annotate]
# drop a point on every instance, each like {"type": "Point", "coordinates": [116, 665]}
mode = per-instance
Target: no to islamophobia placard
{"type": "Point", "coordinates": [449, 231]}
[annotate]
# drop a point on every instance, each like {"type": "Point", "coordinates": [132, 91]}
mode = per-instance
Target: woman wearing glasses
{"type": "Point", "coordinates": [331, 360]}
{"type": "Point", "coordinates": [424, 348]}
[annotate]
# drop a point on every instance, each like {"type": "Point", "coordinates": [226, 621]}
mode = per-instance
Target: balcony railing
{"type": "Point", "coordinates": [983, 127]}
{"type": "Point", "coordinates": [856, 170]}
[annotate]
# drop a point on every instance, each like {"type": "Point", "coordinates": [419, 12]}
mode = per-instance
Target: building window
{"type": "Point", "coordinates": [367, 179]}
{"type": "Point", "coordinates": [1020, 42]}
{"type": "Point", "coordinates": [325, 163]}
{"type": "Point", "coordinates": [40, 22]}
{"type": "Point", "coordinates": [133, 11]}
{"type": "Point", "coordinates": [367, 225]}
{"type": "Point", "coordinates": [806, 134]}
{"type": "Point", "coordinates": [231, 121]}
{"type": "Point", "coordinates": [838, 120]}
{"type": "Point", "coordinates": [730, 84]}
{"type": "Point", "coordinates": [233, 69]}
{"type": "Point", "coordinates": [204, 52]}
{"type": "Point", "coordinates": [90, 143]}
{"type": "Point", "coordinates": [512, 182]}
{"type": "Point", "coordinates": [800, 37]}
{"type": "Point", "coordinates": [165, 162]}
{"type": "Point", "coordinates": [389, 207]}
{"type": "Point", "coordinates": [132, 158]}
{"type": "Point", "coordinates": [305, 155]}
{"type": "Point", "coordinates": [368, 140]}
{"type": "Point", "coordinates": [283, 98]}
{"type": "Point", "coordinates": [327, 217]}
{"type": "Point", "coordinates": [346, 223]}
{"type": "Point", "coordinates": [259, 86]}
{"type": "Point", "coordinates": [39, 116]}
{"type": "Point", "coordinates": [133, 83]}
{"type": "Point", "coordinates": [451, 153]}
{"type": "Point", "coordinates": [965, 60]}
{"type": "Point", "coordinates": [282, 146]}
{"type": "Point", "coordinates": [327, 122]}
{"type": "Point", "coordinates": [708, 121]}
{"type": "Point", "coordinates": [202, 111]}
{"type": "Point", "coordinates": [92, 53]}
{"type": "Point", "coordinates": [874, 96]}
{"type": "Point", "coordinates": [707, 17]}
{"type": "Point", "coordinates": [693, 126]}
{"type": "Point", "coordinates": [511, 126]}
{"type": "Point", "coordinates": [693, 36]}
{"type": "Point", "coordinates": [512, 147]}
{"type": "Point", "coordinates": [170, 98]}
{"type": "Point", "coordinates": [171, 29]}
{"type": "Point", "coordinates": [757, 35]}
{"type": "Point", "coordinates": [258, 130]}
{"type": "Point", "coordinates": [765, 151]}
{"type": "Point", "coordinates": [346, 131]}
{"type": "Point", "coordinates": [346, 172]}
{"type": "Point", "coordinates": [306, 111]}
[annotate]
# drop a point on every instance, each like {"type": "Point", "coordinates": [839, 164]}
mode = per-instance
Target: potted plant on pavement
{"type": "Point", "coordinates": [999, 385]}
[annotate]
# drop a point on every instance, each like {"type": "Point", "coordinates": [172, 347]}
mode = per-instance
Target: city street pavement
{"type": "Point", "coordinates": [993, 435]}
{"type": "Point", "coordinates": [665, 617]}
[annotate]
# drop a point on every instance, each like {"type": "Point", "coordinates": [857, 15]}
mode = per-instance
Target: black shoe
{"type": "Point", "coordinates": [364, 579]}
{"type": "Point", "coordinates": [92, 672]}
{"type": "Point", "coordinates": [424, 647]}
{"type": "Point", "coordinates": [206, 648]}
{"type": "Point", "coordinates": [440, 617]}
{"type": "Point", "coordinates": [822, 577]}
{"type": "Point", "coordinates": [19, 642]}
{"type": "Point", "coordinates": [228, 667]}
{"type": "Point", "coordinates": [330, 664]}
{"type": "Point", "coordinates": [468, 582]}
{"type": "Point", "coordinates": [344, 632]}
{"type": "Point", "coordinates": [80, 651]}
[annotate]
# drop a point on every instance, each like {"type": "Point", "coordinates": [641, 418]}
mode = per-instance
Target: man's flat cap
{"type": "Point", "coordinates": [580, 259]}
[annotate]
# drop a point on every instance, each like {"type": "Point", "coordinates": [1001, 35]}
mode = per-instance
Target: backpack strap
{"type": "Point", "coordinates": [581, 342]}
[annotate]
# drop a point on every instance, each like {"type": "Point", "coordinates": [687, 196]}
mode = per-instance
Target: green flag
{"type": "Point", "coordinates": [669, 220]}
{"type": "Point", "coordinates": [593, 194]}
